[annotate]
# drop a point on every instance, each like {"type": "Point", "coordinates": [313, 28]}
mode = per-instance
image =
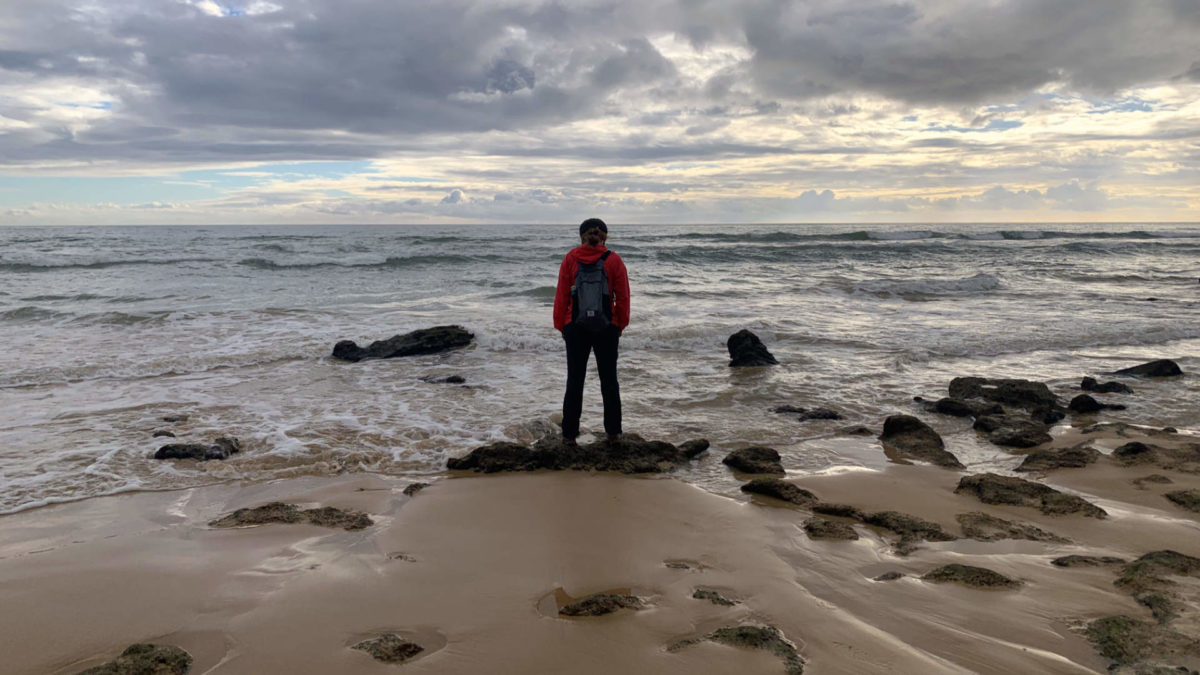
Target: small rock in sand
{"type": "Point", "coordinates": [413, 488]}
{"type": "Point", "coordinates": [601, 604]}
{"type": "Point", "coordinates": [1135, 453]}
{"type": "Point", "coordinates": [754, 459]}
{"type": "Point", "coordinates": [1188, 499]}
{"type": "Point", "coordinates": [278, 512]}
{"type": "Point", "coordinates": [390, 648]}
{"type": "Point", "coordinates": [821, 528]}
{"type": "Point", "coordinates": [909, 437]}
{"type": "Point", "coordinates": [713, 597]}
{"type": "Point", "coordinates": [1086, 561]}
{"type": "Point", "coordinates": [889, 576]}
{"type": "Point", "coordinates": [767, 638]}
{"type": "Point", "coordinates": [986, 527]}
{"type": "Point", "coordinates": [1065, 458]}
{"type": "Point", "coordinates": [838, 510]}
{"type": "Point", "coordinates": [146, 659]}
{"type": "Point", "coordinates": [975, 577]}
{"type": "Point", "coordinates": [992, 488]}
{"type": "Point", "coordinates": [779, 489]}
{"type": "Point", "coordinates": [1158, 478]}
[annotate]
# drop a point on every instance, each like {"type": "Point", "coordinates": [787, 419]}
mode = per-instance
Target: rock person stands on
{"type": "Point", "coordinates": [591, 309]}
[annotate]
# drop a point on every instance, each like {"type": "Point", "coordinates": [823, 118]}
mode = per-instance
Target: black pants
{"type": "Point", "coordinates": [580, 343]}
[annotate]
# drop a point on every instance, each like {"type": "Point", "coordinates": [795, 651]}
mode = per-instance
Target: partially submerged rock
{"type": "Point", "coordinates": [1188, 499]}
{"type": "Point", "coordinates": [991, 488]}
{"type": "Point", "coordinates": [1020, 393]}
{"type": "Point", "coordinates": [1085, 404]}
{"type": "Point", "coordinates": [754, 459]}
{"type": "Point", "coordinates": [222, 448]}
{"type": "Point", "coordinates": [713, 597]}
{"type": "Point", "coordinates": [767, 638]}
{"type": "Point", "coordinates": [631, 454]}
{"type": "Point", "coordinates": [163, 433]}
{"type": "Point", "coordinates": [986, 527]}
{"type": "Point", "coordinates": [278, 512]}
{"type": "Point", "coordinates": [146, 659]}
{"type": "Point", "coordinates": [1113, 387]}
{"type": "Point", "coordinates": [745, 349]}
{"type": "Point", "coordinates": [1086, 561]}
{"type": "Point", "coordinates": [959, 407]}
{"type": "Point", "coordinates": [601, 604]}
{"type": "Point", "coordinates": [1135, 453]}
{"type": "Point", "coordinates": [389, 648]}
{"type": "Point", "coordinates": [779, 489]}
{"type": "Point", "coordinates": [909, 437]}
{"type": "Point", "coordinates": [910, 528]}
{"type": "Point", "coordinates": [423, 341]}
{"type": "Point", "coordinates": [838, 510]}
{"type": "Point", "coordinates": [805, 414]}
{"type": "Point", "coordinates": [1159, 368]}
{"type": "Point", "coordinates": [975, 577]}
{"type": "Point", "coordinates": [1013, 432]}
{"type": "Point", "coordinates": [1065, 458]}
{"type": "Point", "coordinates": [821, 528]}
{"type": "Point", "coordinates": [449, 379]}
{"type": "Point", "coordinates": [889, 576]}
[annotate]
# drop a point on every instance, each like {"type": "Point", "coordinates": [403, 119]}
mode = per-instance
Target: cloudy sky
{"type": "Point", "coordinates": [407, 111]}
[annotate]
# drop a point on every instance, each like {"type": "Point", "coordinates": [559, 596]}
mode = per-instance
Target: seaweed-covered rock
{"type": "Point", "coordinates": [1113, 387]}
{"type": "Point", "coordinates": [838, 510]}
{"type": "Point", "coordinates": [910, 437]}
{"type": "Point", "coordinates": [1086, 561]}
{"type": "Point", "coordinates": [713, 597]}
{"type": "Point", "coordinates": [413, 488]}
{"type": "Point", "coordinates": [1149, 572]}
{"type": "Point", "coordinates": [889, 576]}
{"type": "Point", "coordinates": [975, 577]}
{"type": "Point", "coordinates": [389, 648]}
{"type": "Point", "coordinates": [1020, 393]}
{"type": "Point", "coordinates": [767, 638]}
{"type": "Point", "coordinates": [745, 349]}
{"type": "Point", "coordinates": [1065, 458]}
{"type": "Point", "coordinates": [1129, 641]}
{"type": "Point", "coordinates": [1135, 452]}
{"type": "Point", "coordinates": [1013, 432]}
{"type": "Point", "coordinates": [1159, 368]}
{"type": "Point", "coordinates": [1188, 499]}
{"type": "Point", "coordinates": [754, 459]}
{"type": "Point", "coordinates": [146, 659]}
{"type": "Point", "coordinates": [1158, 478]}
{"type": "Point", "coordinates": [424, 341]}
{"type": "Point", "coordinates": [222, 448]}
{"type": "Point", "coordinates": [601, 604]}
{"type": "Point", "coordinates": [991, 488]}
{"type": "Point", "coordinates": [821, 528]}
{"type": "Point", "coordinates": [780, 489]}
{"type": "Point", "coordinates": [986, 527]}
{"type": "Point", "coordinates": [958, 407]}
{"type": "Point", "coordinates": [910, 528]}
{"type": "Point", "coordinates": [278, 512]}
{"type": "Point", "coordinates": [630, 454]}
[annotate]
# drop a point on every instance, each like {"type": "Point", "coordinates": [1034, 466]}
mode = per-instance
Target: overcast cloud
{"type": "Point", "coordinates": [539, 111]}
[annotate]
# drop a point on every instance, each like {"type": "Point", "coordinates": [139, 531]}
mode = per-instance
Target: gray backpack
{"type": "Point", "coordinates": [592, 301]}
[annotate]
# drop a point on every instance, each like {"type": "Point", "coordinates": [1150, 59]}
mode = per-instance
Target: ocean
{"type": "Point", "coordinates": [107, 330]}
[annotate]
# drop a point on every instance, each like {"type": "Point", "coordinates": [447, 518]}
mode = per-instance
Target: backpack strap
{"type": "Point", "coordinates": [604, 256]}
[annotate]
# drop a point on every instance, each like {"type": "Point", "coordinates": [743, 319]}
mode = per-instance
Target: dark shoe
{"type": "Point", "coordinates": [613, 439]}
{"type": "Point", "coordinates": [569, 442]}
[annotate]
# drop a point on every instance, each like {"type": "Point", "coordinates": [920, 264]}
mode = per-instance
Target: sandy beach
{"type": "Point", "coordinates": [475, 568]}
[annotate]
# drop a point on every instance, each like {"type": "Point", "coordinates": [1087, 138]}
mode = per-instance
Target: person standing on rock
{"type": "Point", "coordinates": [591, 309]}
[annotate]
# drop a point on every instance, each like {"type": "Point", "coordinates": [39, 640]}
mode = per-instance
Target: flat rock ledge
{"type": "Point", "coordinates": [631, 454]}
{"type": "Point", "coordinates": [222, 448]}
{"type": "Point", "coordinates": [986, 527]}
{"type": "Point", "coordinates": [967, 575]}
{"type": "Point", "coordinates": [782, 490]}
{"type": "Point", "coordinates": [146, 659]}
{"type": "Point", "coordinates": [768, 638]}
{"type": "Point", "coordinates": [911, 438]}
{"type": "Point", "coordinates": [278, 512]}
{"type": "Point", "coordinates": [754, 459]}
{"type": "Point", "coordinates": [424, 341]}
{"type": "Point", "coordinates": [1066, 458]}
{"type": "Point", "coordinates": [601, 604]}
{"type": "Point", "coordinates": [389, 648]}
{"type": "Point", "coordinates": [992, 488]}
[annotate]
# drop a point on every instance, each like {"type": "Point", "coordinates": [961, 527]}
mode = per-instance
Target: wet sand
{"type": "Point", "coordinates": [473, 568]}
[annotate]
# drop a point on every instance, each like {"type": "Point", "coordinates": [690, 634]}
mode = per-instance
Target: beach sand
{"type": "Point", "coordinates": [474, 568]}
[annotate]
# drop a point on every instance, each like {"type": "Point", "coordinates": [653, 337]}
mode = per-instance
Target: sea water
{"type": "Point", "coordinates": [107, 330]}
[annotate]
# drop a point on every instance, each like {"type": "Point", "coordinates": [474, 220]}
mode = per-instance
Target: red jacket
{"type": "Point", "coordinates": [618, 284]}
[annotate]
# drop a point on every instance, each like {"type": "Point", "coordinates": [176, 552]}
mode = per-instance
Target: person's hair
{"type": "Point", "coordinates": [594, 236]}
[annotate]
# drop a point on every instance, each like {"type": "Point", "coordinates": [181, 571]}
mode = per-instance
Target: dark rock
{"type": "Point", "coordinates": [774, 487]}
{"type": "Point", "coordinates": [911, 438]}
{"type": "Point", "coordinates": [985, 527]}
{"type": "Point", "coordinates": [1047, 416]}
{"type": "Point", "coordinates": [1188, 499]}
{"type": "Point", "coordinates": [889, 576]}
{"type": "Point", "coordinates": [631, 454]}
{"type": "Point", "coordinates": [1140, 483]}
{"type": "Point", "coordinates": [991, 488]}
{"type": "Point", "coordinates": [1066, 458]}
{"type": "Point", "coordinates": [278, 512]}
{"type": "Point", "coordinates": [966, 408]}
{"type": "Point", "coordinates": [146, 659]}
{"type": "Point", "coordinates": [413, 488]}
{"type": "Point", "coordinates": [1159, 368]}
{"type": "Point", "coordinates": [1128, 641]}
{"type": "Point", "coordinates": [1085, 404]}
{"type": "Point", "coordinates": [1135, 453]}
{"type": "Point", "coordinates": [767, 638]}
{"type": "Point", "coordinates": [1162, 607]}
{"type": "Point", "coordinates": [390, 648]}
{"type": "Point", "coordinates": [909, 527]}
{"type": "Point", "coordinates": [449, 379]}
{"type": "Point", "coordinates": [423, 341]}
{"type": "Point", "coordinates": [163, 433]}
{"type": "Point", "coordinates": [1086, 561]}
{"type": "Point", "coordinates": [745, 349]}
{"type": "Point", "coordinates": [222, 448]}
{"type": "Point", "coordinates": [1113, 387]}
{"type": "Point", "coordinates": [1013, 432]}
{"type": "Point", "coordinates": [174, 419]}
{"type": "Point", "coordinates": [806, 414]}
{"type": "Point", "coordinates": [754, 459]}
{"type": "Point", "coordinates": [838, 510]}
{"type": "Point", "coordinates": [1147, 572]}
{"type": "Point", "coordinates": [856, 430]}
{"type": "Point", "coordinates": [820, 528]}
{"type": "Point", "coordinates": [694, 447]}
{"type": "Point", "coordinates": [713, 597]}
{"type": "Point", "coordinates": [1020, 393]}
{"type": "Point", "coordinates": [975, 577]}
{"type": "Point", "coordinates": [601, 604]}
